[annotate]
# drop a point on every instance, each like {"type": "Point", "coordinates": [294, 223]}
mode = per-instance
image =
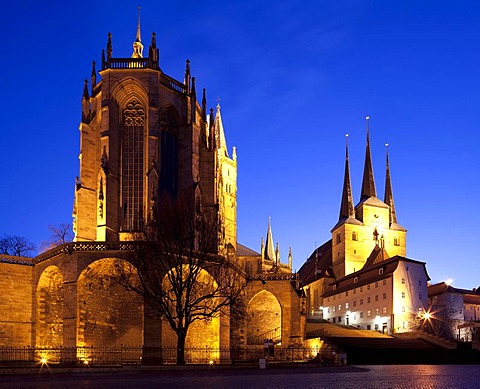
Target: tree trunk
{"type": "Point", "coordinates": [181, 347]}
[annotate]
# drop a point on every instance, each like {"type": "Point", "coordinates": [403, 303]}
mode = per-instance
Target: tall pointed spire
{"type": "Point", "coordinates": [93, 76]}
{"type": "Point", "coordinates": [137, 45]}
{"type": "Point", "coordinates": [220, 133]}
{"type": "Point", "coordinates": [368, 184]}
{"type": "Point", "coordinates": [109, 46]}
{"type": "Point", "coordinates": [269, 247]}
{"type": "Point", "coordinates": [388, 191]}
{"type": "Point", "coordinates": [347, 209]}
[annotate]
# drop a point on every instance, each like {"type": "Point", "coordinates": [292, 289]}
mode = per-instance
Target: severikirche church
{"type": "Point", "coordinates": [144, 134]}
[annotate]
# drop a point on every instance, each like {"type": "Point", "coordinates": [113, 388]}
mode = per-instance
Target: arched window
{"type": "Point", "coordinates": [168, 181]}
{"type": "Point", "coordinates": [132, 165]}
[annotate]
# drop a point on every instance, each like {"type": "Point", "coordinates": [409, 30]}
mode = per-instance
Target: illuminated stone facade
{"type": "Point", "coordinates": [143, 135]}
{"type": "Point", "coordinates": [362, 276]}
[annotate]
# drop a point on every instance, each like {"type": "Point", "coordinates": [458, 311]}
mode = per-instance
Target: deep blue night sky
{"type": "Point", "coordinates": [292, 78]}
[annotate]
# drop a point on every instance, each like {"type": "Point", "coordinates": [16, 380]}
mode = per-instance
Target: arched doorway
{"type": "Point", "coordinates": [264, 319]}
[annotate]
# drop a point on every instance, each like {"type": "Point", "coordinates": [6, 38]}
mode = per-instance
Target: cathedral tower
{"type": "Point", "coordinates": [143, 135]}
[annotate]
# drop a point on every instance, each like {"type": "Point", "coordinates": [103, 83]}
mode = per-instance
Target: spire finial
{"type": "Point", "coordinates": [347, 210]}
{"type": "Point", "coordinates": [137, 45]}
{"type": "Point", "coordinates": [368, 184]}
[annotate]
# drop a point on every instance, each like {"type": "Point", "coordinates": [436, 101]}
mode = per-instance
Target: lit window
{"type": "Point", "coordinates": [339, 307]}
{"type": "Point", "coordinates": [384, 310]}
{"type": "Point", "coordinates": [334, 287]}
{"type": "Point", "coordinates": [377, 311]}
{"type": "Point", "coordinates": [346, 306]}
{"type": "Point", "coordinates": [368, 312]}
{"type": "Point", "coordinates": [333, 309]}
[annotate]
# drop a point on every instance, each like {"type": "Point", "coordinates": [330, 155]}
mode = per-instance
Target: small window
{"type": "Point", "coordinates": [334, 287]}
{"type": "Point", "coordinates": [355, 291]}
{"type": "Point", "coordinates": [346, 306]}
{"type": "Point", "coordinates": [403, 295]}
{"type": "Point", "coordinates": [376, 284]}
{"type": "Point", "coordinates": [361, 315]}
{"type": "Point", "coordinates": [376, 297]}
{"type": "Point", "coordinates": [354, 303]}
{"type": "Point", "coordinates": [420, 283]}
{"type": "Point", "coordinates": [384, 282]}
{"type": "Point", "coordinates": [407, 268]}
{"type": "Point", "coordinates": [377, 311]}
{"type": "Point", "coordinates": [384, 309]}
{"type": "Point", "coordinates": [395, 241]}
{"type": "Point", "coordinates": [328, 310]}
{"type": "Point", "coordinates": [361, 301]}
{"type": "Point", "coordinates": [403, 309]}
{"type": "Point", "coordinates": [339, 239]}
{"type": "Point", "coordinates": [361, 289]}
{"type": "Point", "coordinates": [368, 300]}
{"type": "Point", "coordinates": [403, 280]}
{"type": "Point", "coordinates": [380, 271]}
{"type": "Point", "coordinates": [354, 235]}
{"type": "Point", "coordinates": [339, 307]}
{"type": "Point", "coordinates": [355, 280]}
{"type": "Point", "coordinates": [333, 320]}
{"type": "Point", "coordinates": [384, 296]}
{"type": "Point", "coordinates": [333, 309]}
{"type": "Point", "coordinates": [369, 313]}
{"type": "Point", "coordinates": [369, 327]}
{"type": "Point", "coordinates": [346, 293]}
{"type": "Point", "coordinates": [368, 287]}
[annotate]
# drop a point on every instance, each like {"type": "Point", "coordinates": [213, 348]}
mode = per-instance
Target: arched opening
{"type": "Point", "coordinates": [168, 180]}
{"type": "Point", "coordinates": [108, 314]}
{"type": "Point", "coordinates": [49, 308]}
{"type": "Point", "coordinates": [264, 319]}
{"type": "Point", "coordinates": [202, 334]}
{"type": "Point", "coordinates": [133, 172]}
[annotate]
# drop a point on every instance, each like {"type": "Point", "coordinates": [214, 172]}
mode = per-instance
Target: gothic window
{"type": "Point", "coordinates": [168, 154]}
{"type": "Point", "coordinates": [132, 165]}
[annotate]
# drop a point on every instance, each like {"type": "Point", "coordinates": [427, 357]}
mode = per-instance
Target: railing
{"type": "Point", "coordinates": [16, 260]}
{"type": "Point", "coordinates": [172, 83]}
{"type": "Point", "coordinates": [136, 355]}
{"type": "Point", "coordinates": [127, 63]}
{"type": "Point", "coordinates": [275, 335]}
{"type": "Point", "coordinates": [272, 277]}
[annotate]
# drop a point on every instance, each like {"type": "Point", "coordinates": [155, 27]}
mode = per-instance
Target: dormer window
{"type": "Point", "coordinates": [380, 271]}
{"type": "Point", "coordinates": [334, 287]}
{"type": "Point", "coordinates": [355, 280]}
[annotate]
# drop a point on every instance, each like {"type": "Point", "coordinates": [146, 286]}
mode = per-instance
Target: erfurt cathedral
{"type": "Point", "coordinates": [143, 134]}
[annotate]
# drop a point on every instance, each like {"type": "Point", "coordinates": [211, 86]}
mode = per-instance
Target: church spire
{"type": "Point", "coordinates": [368, 184]}
{"type": "Point", "coordinates": [388, 191]}
{"type": "Point", "coordinates": [269, 247]}
{"type": "Point", "coordinates": [220, 133]}
{"type": "Point", "coordinates": [137, 45]}
{"type": "Point", "coordinates": [347, 209]}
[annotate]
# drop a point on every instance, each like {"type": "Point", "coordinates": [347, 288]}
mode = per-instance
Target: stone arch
{"type": "Point", "coordinates": [264, 318]}
{"type": "Point", "coordinates": [201, 333]}
{"type": "Point", "coordinates": [108, 315]}
{"type": "Point", "coordinates": [128, 89]}
{"type": "Point", "coordinates": [50, 302]}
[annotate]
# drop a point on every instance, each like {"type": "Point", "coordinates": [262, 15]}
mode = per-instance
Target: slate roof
{"type": "Point", "coordinates": [318, 265]}
{"type": "Point", "coordinates": [244, 251]}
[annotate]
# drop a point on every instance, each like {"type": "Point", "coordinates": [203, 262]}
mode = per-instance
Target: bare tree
{"type": "Point", "coordinates": [59, 234]}
{"type": "Point", "coordinates": [180, 275]}
{"type": "Point", "coordinates": [16, 245]}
